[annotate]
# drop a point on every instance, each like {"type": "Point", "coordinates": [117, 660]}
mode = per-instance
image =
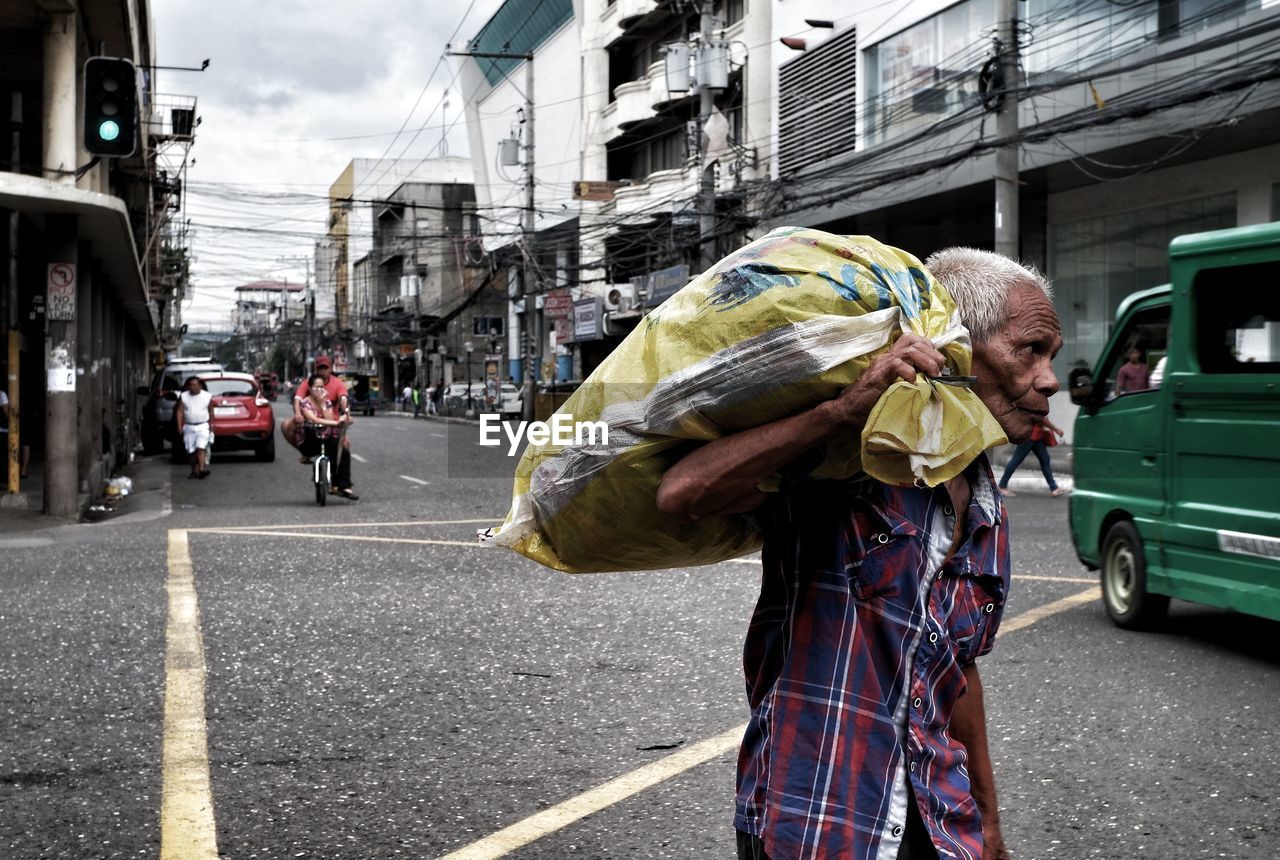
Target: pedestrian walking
{"type": "Point", "coordinates": [868, 732]}
{"type": "Point", "coordinates": [192, 415]}
{"type": "Point", "coordinates": [438, 395]}
{"type": "Point", "coordinates": [406, 397]}
{"type": "Point", "coordinates": [1044, 435]}
{"type": "Point", "coordinates": [431, 399]}
{"type": "Point", "coordinates": [417, 401]}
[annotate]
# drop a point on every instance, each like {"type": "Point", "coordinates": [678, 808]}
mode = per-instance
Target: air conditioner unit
{"type": "Point", "coordinates": [620, 298]}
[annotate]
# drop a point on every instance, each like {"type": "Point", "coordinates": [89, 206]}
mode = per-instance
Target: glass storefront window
{"type": "Point", "coordinates": [1095, 263]}
{"type": "Point", "coordinates": [1063, 36]}
{"type": "Point", "coordinates": [927, 71]}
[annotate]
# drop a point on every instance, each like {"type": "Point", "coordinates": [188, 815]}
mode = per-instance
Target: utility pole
{"type": "Point", "coordinates": [61, 472]}
{"type": "Point", "coordinates": [1006, 177]}
{"type": "Point", "coordinates": [531, 336]}
{"type": "Point", "coordinates": [12, 456]}
{"type": "Point", "coordinates": [707, 174]}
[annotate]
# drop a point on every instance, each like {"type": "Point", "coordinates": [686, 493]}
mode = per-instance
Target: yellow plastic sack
{"type": "Point", "coordinates": [774, 328]}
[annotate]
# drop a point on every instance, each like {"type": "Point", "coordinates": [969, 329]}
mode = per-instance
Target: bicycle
{"type": "Point", "coordinates": [322, 469]}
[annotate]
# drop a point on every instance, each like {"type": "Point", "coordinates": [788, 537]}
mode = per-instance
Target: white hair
{"type": "Point", "coordinates": [980, 282]}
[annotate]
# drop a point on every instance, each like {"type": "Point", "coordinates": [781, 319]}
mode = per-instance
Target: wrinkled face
{"type": "Point", "coordinates": [1015, 377]}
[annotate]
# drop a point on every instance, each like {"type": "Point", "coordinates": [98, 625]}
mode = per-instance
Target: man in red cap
{"type": "Point", "coordinates": [336, 389]}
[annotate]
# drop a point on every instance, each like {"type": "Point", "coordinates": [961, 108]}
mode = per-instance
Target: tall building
{"type": "Point", "coordinates": [94, 265]}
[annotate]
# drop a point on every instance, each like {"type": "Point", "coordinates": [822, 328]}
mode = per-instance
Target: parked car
{"type": "Point", "coordinates": [459, 398]}
{"type": "Point", "coordinates": [239, 416]}
{"type": "Point", "coordinates": [157, 424]}
{"type": "Point", "coordinates": [510, 404]}
{"type": "Point", "coordinates": [1176, 473]}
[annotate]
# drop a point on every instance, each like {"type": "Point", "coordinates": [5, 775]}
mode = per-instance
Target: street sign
{"type": "Point", "coordinates": [62, 292]}
{"type": "Point", "coordinates": [601, 191]}
{"type": "Point", "coordinates": [557, 304]}
{"type": "Point", "coordinates": [587, 319]}
{"type": "Point", "coordinates": [563, 330]}
{"type": "Point", "coordinates": [664, 283]}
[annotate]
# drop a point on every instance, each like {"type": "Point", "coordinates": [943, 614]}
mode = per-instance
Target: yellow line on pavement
{"type": "Point", "coordinates": [186, 808]}
{"type": "Point", "coordinates": [334, 525]}
{"type": "Point", "coordinates": [1031, 616]}
{"type": "Point", "coordinates": [266, 533]}
{"type": "Point", "coordinates": [536, 826]}
{"type": "Point", "coordinates": [1087, 580]}
{"type": "Point", "coordinates": [563, 814]}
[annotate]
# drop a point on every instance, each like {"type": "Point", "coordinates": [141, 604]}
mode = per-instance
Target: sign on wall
{"type": "Point", "coordinates": [586, 319]}
{"type": "Point", "coordinates": [61, 290]}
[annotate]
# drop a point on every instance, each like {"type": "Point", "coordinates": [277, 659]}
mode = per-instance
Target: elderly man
{"type": "Point", "coordinates": [867, 736]}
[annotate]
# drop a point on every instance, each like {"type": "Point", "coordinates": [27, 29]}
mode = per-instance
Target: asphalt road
{"type": "Point", "coordinates": [379, 686]}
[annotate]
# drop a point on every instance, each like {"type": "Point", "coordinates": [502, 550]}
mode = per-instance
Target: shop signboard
{"type": "Point", "coordinates": [557, 304]}
{"type": "Point", "coordinates": [664, 283]}
{"type": "Point", "coordinates": [587, 317]}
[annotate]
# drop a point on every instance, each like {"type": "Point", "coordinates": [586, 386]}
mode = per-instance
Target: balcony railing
{"type": "Point", "coordinates": [172, 117]}
{"type": "Point", "coordinates": [633, 103]}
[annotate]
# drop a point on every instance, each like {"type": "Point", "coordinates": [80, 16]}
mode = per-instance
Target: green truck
{"type": "Point", "coordinates": [1177, 453]}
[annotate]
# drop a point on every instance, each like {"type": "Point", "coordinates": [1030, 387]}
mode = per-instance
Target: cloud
{"type": "Point", "coordinates": [286, 81]}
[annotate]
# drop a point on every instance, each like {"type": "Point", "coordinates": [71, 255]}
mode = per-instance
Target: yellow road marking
{"type": "Point", "coordinates": [1031, 616]}
{"type": "Point", "coordinates": [264, 533]}
{"type": "Point", "coordinates": [1087, 580]}
{"type": "Point", "coordinates": [536, 826]}
{"type": "Point", "coordinates": [602, 796]}
{"type": "Point", "coordinates": [334, 525]}
{"type": "Point", "coordinates": [187, 823]}
{"type": "Point", "coordinates": [186, 808]}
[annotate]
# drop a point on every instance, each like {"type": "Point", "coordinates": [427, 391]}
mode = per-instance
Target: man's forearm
{"type": "Point", "coordinates": [718, 476]}
{"type": "Point", "coordinates": [969, 727]}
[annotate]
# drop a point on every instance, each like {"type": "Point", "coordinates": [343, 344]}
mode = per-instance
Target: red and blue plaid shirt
{"type": "Point", "coordinates": [854, 662]}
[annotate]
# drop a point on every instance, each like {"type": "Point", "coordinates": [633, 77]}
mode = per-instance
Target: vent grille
{"type": "Point", "coordinates": [818, 104]}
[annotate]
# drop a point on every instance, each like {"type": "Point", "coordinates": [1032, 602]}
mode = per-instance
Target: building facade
{"type": "Point", "coordinates": [1136, 122]}
{"type": "Point", "coordinates": [1131, 123]}
{"type": "Point", "coordinates": [93, 267]}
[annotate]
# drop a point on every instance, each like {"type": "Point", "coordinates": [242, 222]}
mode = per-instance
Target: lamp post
{"type": "Point", "coordinates": [467, 346]}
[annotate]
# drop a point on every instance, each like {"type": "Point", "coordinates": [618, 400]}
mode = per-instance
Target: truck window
{"type": "Point", "coordinates": [1238, 319]}
{"type": "Point", "coordinates": [1137, 366]}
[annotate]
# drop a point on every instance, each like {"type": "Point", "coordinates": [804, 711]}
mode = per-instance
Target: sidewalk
{"type": "Point", "coordinates": [1028, 477]}
{"type": "Point", "coordinates": [150, 498]}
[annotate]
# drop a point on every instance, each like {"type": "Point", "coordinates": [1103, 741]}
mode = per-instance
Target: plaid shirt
{"type": "Point", "coordinates": [854, 662]}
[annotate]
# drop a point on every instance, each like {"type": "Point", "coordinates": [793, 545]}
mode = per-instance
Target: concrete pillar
{"type": "Point", "coordinates": [86, 407]}
{"type": "Point", "coordinates": [60, 97]}
{"type": "Point", "coordinates": [760, 103]}
{"type": "Point", "coordinates": [60, 474]}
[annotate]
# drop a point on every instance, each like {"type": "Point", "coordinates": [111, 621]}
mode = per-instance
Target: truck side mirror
{"type": "Point", "coordinates": [143, 391]}
{"type": "Point", "coordinates": [1082, 393]}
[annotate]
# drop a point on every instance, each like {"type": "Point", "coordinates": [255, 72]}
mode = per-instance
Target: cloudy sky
{"type": "Point", "coordinates": [293, 92]}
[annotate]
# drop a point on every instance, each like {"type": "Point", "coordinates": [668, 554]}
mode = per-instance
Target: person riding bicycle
{"type": "Point", "coordinates": [336, 390]}
{"type": "Point", "coordinates": [321, 429]}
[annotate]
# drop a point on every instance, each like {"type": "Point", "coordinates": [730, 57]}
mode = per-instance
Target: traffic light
{"type": "Point", "coordinates": [110, 107]}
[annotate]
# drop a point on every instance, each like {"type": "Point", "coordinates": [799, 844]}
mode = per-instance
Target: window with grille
{"type": "Point", "coordinates": [817, 104]}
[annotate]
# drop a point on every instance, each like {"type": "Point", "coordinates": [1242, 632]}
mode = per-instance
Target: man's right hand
{"type": "Point", "coordinates": [908, 356]}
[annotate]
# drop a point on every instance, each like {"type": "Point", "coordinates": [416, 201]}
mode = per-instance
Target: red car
{"type": "Point", "coordinates": [239, 416]}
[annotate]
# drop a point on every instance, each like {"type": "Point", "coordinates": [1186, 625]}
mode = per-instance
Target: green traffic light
{"type": "Point", "coordinates": [108, 129]}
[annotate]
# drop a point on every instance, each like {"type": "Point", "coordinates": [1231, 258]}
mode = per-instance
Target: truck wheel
{"type": "Point", "coordinates": [152, 442]}
{"type": "Point", "coordinates": [1124, 581]}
